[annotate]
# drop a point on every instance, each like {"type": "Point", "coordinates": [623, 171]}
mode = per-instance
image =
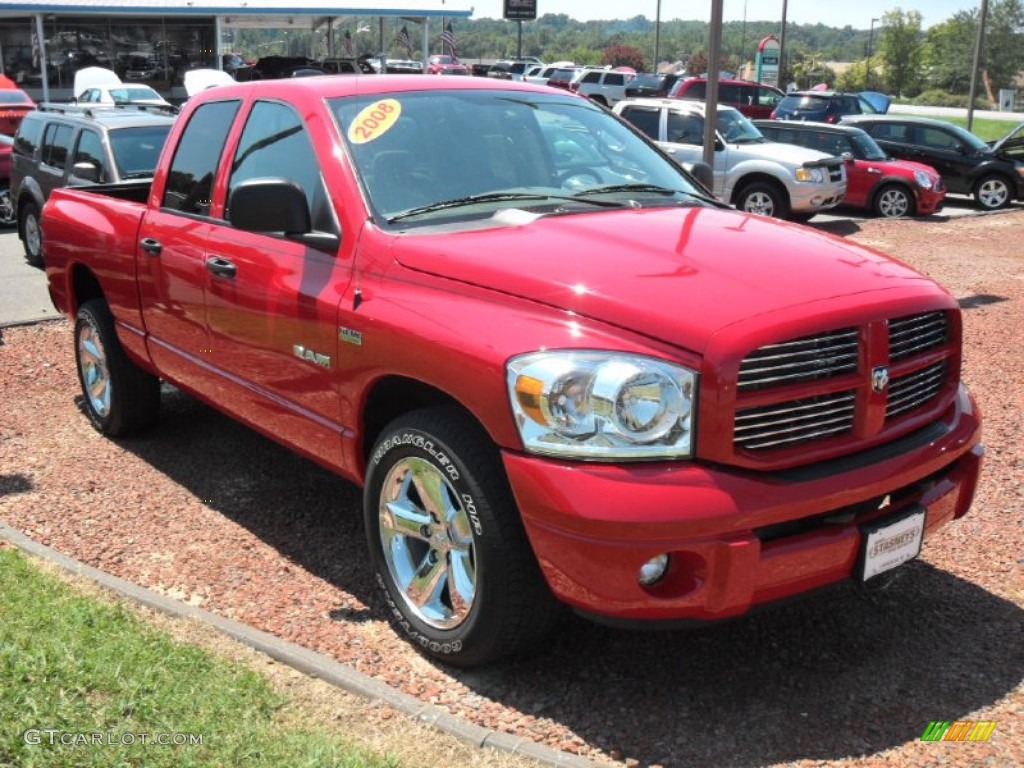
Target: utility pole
{"type": "Point", "coordinates": [657, 35]}
{"type": "Point", "coordinates": [782, 49]}
{"type": "Point", "coordinates": [977, 63]}
{"type": "Point", "coordinates": [867, 65]}
{"type": "Point", "coordinates": [714, 58]}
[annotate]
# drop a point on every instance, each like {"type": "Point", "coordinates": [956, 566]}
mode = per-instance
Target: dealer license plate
{"type": "Point", "coordinates": [890, 543]}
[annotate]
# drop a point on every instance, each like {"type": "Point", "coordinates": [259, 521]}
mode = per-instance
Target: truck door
{"type": "Point", "coordinates": [172, 249]}
{"type": "Point", "coordinates": [272, 302]}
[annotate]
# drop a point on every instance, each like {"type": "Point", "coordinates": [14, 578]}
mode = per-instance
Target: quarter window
{"type": "Point", "coordinates": [56, 143]}
{"type": "Point", "coordinates": [644, 120]}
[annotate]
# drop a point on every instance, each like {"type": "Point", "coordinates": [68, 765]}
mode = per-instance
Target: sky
{"type": "Point", "coordinates": [828, 12]}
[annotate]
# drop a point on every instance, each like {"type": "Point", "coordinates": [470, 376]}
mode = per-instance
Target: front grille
{"type": "Point", "coordinates": [806, 359]}
{"type": "Point", "coordinates": [796, 421]}
{"type": "Point", "coordinates": [915, 389]}
{"type": "Point", "coordinates": [813, 388]}
{"type": "Point", "coordinates": [917, 333]}
{"type": "Point", "coordinates": [835, 172]}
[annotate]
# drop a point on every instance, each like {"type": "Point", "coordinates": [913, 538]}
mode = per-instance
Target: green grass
{"type": "Point", "coordinates": [78, 665]}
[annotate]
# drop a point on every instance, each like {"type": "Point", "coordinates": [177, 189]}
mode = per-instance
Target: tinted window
{"type": "Point", "coordinates": [592, 77]}
{"type": "Point", "coordinates": [644, 119]}
{"type": "Point", "coordinates": [56, 143]}
{"type": "Point", "coordinates": [90, 150]}
{"type": "Point", "coordinates": [933, 137]}
{"type": "Point", "coordinates": [898, 132]}
{"type": "Point", "coordinates": [275, 144]}
{"type": "Point", "coordinates": [190, 180]}
{"type": "Point", "coordinates": [729, 94]}
{"type": "Point", "coordinates": [613, 78]}
{"type": "Point", "coordinates": [27, 138]}
{"type": "Point", "coordinates": [695, 90]}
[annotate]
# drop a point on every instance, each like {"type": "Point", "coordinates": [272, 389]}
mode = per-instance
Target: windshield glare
{"type": "Point", "coordinates": [419, 149]}
{"type": "Point", "coordinates": [735, 128]}
{"type": "Point", "coordinates": [867, 147]}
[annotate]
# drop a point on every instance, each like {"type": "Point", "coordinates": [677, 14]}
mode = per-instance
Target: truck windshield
{"type": "Point", "coordinates": [463, 154]}
{"type": "Point", "coordinates": [136, 150]}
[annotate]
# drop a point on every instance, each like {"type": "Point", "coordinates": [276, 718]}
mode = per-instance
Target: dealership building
{"type": "Point", "coordinates": [42, 45]}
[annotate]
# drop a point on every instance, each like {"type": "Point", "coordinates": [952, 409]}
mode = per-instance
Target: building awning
{"type": "Point", "coordinates": [240, 8]}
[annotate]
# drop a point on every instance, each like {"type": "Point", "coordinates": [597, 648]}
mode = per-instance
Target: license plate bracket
{"type": "Point", "coordinates": [890, 542]}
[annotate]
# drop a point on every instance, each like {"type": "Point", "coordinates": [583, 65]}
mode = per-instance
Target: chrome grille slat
{"type": "Point", "coordinates": [916, 333]}
{"type": "Point", "coordinates": [794, 423]}
{"type": "Point", "coordinates": [842, 419]}
{"type": "Point", "coordinates": [742, 417]}
{"type": "Point", "coordinates": [809, 436]}
{"type": "Point", "coordinates": [805, 359]}
{"type": "Point", "coordinates": [913, 390]}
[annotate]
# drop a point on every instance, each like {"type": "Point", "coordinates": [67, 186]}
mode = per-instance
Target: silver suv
{"type": "Point", "coordinates": [750, 172]}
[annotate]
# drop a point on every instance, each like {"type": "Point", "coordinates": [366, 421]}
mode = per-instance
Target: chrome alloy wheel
{"type": "Point", "coordinates": [760, 203]}
{"type": "Point", "coordinates": [893, 202]}
{"type": "Point", "coordinates": [993, 193]}
{"type": "Point", "coordinates": [92, 362]}
{"type": "Point", "coordinates": [33, 237]}
{"type": "Point", "coordinates": [428, 544]}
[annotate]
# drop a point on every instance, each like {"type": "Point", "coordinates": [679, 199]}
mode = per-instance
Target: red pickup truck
{"type": "Point", "coordinates": [562, 374]}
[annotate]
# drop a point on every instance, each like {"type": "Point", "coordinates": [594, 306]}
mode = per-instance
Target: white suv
{"type": "Point", "coordinates": [750, 172]}
{"type": "Point", "coordinates": [605, 86]}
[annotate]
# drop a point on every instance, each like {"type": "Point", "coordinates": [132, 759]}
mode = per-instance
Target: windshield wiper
{"type": "Point", "coordinates": [490, 197]}
{"type": "Point", "coordinates": [635, 187]}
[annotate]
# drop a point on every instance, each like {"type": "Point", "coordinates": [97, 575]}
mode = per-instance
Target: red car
{"type": "Point", "coordinates": [881, 184]}
{"type": "Point", "coordinates": [14, 103]}
{"type": "Point", "coordinates": [446, 65]}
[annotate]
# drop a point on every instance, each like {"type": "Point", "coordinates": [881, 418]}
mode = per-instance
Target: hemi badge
{"type": "Point", "coordinates": [351, 337]}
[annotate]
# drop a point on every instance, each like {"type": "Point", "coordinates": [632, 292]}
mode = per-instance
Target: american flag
{"type": "Point", "coordinates": [349, 43]}
{"type": "Point", "coordinates": [404, 40]}
{"type": "Point", "coordinates": [448, 38]}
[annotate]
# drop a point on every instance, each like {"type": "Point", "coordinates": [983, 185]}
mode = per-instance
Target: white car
{"type": "Point", "coordinates": [97, 85]}
{"type": "Point", "coordinates": [605, 86]}
{"type": "Point", "coordinates": [750, 172]}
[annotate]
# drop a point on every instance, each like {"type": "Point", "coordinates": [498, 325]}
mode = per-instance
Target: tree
{"type": "Point", "coordinates": [899, 48]}
{"type": "Point", "coordinates": [1004, 42]}
{"type": "Point", "coordinates": [624, 56]}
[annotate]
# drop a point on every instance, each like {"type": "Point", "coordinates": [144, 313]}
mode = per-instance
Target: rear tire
{"type": "Point", "coordinates": [894, 201]}
{"type": "Point", "coordinates": [119, 397]}
{"type": "Point", "coordinates": [30, 233]}
{"type": "Point", "coordinates": [764, 199]}
{"type": "Point", "coordinates": [993, 192]}
{"type": "Point", "coordinates": [446, 540]}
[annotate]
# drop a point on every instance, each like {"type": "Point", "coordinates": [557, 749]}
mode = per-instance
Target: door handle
{"type": "Point", "coordinates": [151, 246]}
{"type": "Point", "coordinates": [221, 267]}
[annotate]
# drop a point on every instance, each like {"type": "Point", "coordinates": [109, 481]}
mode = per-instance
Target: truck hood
{"type": "Point", "coordinates": [676, 274]}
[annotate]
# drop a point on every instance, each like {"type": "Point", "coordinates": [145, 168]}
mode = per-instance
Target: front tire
{"type": "Point", "coordinates": [893, 201]}
{"type": "Point", "coordinates": [30, 232]}
{"type": "Point", "coordinates": [447, 543]}
{"type": "Point", "coordinates": [992, 192]}
{"type": "Point", "coordinates": [762, 198]}
{"type": "Point", "coordinates": [119, 397]}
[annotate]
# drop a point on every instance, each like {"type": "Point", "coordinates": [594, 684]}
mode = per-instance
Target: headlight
{"type": "Point", "coordinates": [602, 405]}
{"type": "Point", "coordinates": [816, 175]}
{"type": "Point", "coordinates": [924, 180]}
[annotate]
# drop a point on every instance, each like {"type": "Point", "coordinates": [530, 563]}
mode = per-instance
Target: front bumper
{"type": "Point", "coordinates": [736, 539]}
{"type": "Point", "coordinates": [806, 198]}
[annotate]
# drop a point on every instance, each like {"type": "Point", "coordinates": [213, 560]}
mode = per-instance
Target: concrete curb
{"type": "Point", "coordinates": [303, 660]}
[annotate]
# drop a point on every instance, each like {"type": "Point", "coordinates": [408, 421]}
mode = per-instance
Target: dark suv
{"type": "Point", "coordinates": [62, 145]}
{"type": "Point", "coordinates": [992, 173]}
{"type": "Point", "coordinates": [821, 106]}
{"type": "Point", "coordinates": [655, 85]}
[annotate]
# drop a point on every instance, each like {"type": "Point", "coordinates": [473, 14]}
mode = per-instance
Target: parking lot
{"type": "Point", "coordinates": [205, 510]}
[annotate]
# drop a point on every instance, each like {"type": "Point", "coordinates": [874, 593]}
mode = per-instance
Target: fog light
{"type": "Point", "coordinates": [652, 571]}
{"type": "Point", "coordinates": [817, 202]}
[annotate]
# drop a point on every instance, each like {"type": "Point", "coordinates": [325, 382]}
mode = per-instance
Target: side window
{"type": "Point", "coordinates": [190, 180]}
{"type": "Point", "coordinates": [698, 90]}
{"type": "Point", "coordinates": [592, 77]}
{"type": "Point", "coordinates": [645, 120]}
{"type": "Point", "coordinates": [614, 78]}
{"type": "Point", "coordinates": [730, 94]}
{"type": "Point", "coordinates": [275, 144]}
{"type": "Point", "coordinates": [767, 98]}
{"type": "Point", "coordinates": [27, 138]}
{"type": "Point", "coordinates": [932, 137]}
{"type": "Point", "coordinates": [56, 143]}
{"type": "Point", "coordinates": [685, 129]}
{"type": "Point", "coordinates": [90, 150]}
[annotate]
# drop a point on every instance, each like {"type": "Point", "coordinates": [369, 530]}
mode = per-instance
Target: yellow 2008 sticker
{"type": "Point", "coordinates": [374, 121]}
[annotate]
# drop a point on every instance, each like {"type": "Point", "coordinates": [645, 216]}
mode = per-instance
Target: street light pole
{"type": "Point", "coordinates": [871, 45]}
{"type": "Point", "coordinates": [657, 34]}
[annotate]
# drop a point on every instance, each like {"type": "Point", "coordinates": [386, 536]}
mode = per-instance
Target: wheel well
{"type": "Point", "coordinates": [393, 396]}
{"type": "Point", "coordinates": [755, 178]}
{"type": "Point", "coordinates": [84, 286]}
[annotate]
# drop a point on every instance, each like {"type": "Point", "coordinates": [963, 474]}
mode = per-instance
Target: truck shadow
{"type": "Point", "coordinates": [847, 672]}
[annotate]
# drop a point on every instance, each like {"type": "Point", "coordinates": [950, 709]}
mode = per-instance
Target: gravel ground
{"type": "Point", "coordinates": [205, 510]}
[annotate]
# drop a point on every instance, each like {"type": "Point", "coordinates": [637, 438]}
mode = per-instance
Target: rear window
{"type": "Point", "coordinates": [136, 150]}
{"type": "Point", "coordinates": [697, 89]}
{"type": "Point", "coordinates": [805, 102]}
{"type": "Point", "coordinates": [13, 97]}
